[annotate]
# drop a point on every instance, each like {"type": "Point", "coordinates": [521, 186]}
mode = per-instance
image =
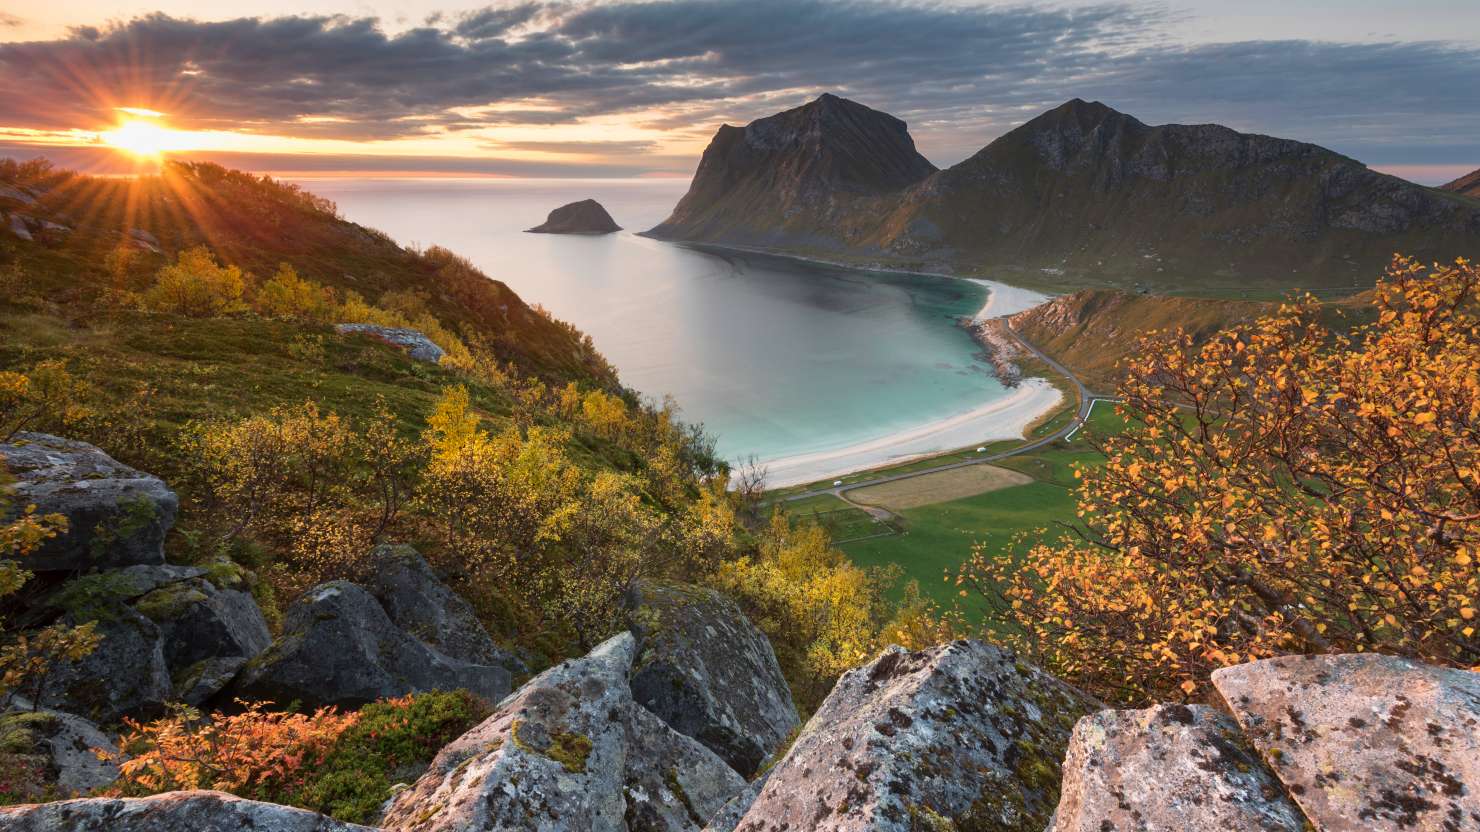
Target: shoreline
{"type": "Point", "coordinates": [1004, 418]}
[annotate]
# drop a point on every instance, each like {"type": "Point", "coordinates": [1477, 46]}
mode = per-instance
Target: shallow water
{"type": "Point", "coordinates": [782, 360]}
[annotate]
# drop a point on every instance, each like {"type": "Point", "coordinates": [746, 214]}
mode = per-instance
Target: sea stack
{"type": "Point", "coordinates": [584, 217]}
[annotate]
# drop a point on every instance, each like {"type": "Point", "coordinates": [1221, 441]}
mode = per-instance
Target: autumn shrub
{"type": "Point", "coordinates": [286, 295]}
{"type": "Point", "coordinates": [1281, 489]}
{"type": "Point", "coordinates": [45, 397]}
{"type": "Point", "coordinates": [197, 286]}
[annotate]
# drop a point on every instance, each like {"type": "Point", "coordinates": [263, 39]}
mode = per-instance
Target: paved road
{"type": "Point", "coordinates": [1086, 401]}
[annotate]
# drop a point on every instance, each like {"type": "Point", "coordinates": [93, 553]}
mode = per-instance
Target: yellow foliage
{"type": "Point", "coordinates": [1283, 489]}
{"type": "Point", "coordinates": [286, 295]}
{"type": "Point", "coordinates": [197, 286]}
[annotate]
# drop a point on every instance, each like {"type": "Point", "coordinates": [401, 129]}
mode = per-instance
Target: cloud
{"type": "Point", "coordinates": [959, 74]}
{"type": "Point", "coordinates": [591, 148]}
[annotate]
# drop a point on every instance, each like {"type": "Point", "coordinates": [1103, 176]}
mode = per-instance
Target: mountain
{"type": "Point", "coordinates": [1468, 185]}
{"type": "Point", "coordinates": [1086, 195]}
{"type": "Point", "coordinates": [797, 177]}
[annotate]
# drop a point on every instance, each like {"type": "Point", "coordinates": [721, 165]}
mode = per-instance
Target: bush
{"type": "Point", "coordinates": [287, 295]}
{"type": "Point", "coordinates": [197, 286]}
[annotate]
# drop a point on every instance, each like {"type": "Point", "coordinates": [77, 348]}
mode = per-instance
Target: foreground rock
{"type": "Point", "coordinates": [584, 217]}
{"type": "Point", "coordinates": [47, 753]}
{"type": "Point", "coordinates": [193, 811]}
{"type": "Point", "coordinates": [570, 750]}
{"type": "Point", "coordinates": [959, 734]}
{"type": "Point", "coordinates": [419, 603]}
{"type": "Point", "coordinates": [1171, 767]}
{"type": "Point", "coordinates": [1365, 742]}
{"type": "Point", "coordinates": [340, 648]}
{"type": "Point", "coordinates": [413, 341]}
{"type": "Point", "coordinates": [711, 674]}
{"type": "Point", "coordinates": [169, 633]}
{"type": "Point", "coordinates": [116, 516]}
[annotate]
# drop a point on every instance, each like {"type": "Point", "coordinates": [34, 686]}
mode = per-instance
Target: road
{"type": "Point", "coordinates": [1086, 401]}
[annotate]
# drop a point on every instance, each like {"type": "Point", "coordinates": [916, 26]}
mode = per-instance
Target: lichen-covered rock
{"type": "Point", "coordinates": [708, 672]}
{"type": "Point", "coordinates": [339, 648]}
{"type": "Point", "coordinates": [57, 750]}
{"type": "Point", "coordinates": [116, 516]}
{"type": "Point", "coordinates": [728, 817]}
{"type": "Point", "coordinates": [413, 341]}
{"type": "Point", "coordinates": [570, 750]}
{"type": "Point", "coordinates": [1365, 742]}
{"type": "Point", "coordinates": [551, 758]}
{"type": "Point", "coordinates": [672, 783]}
{"type": "Point", "coordinates": [961, 734]}
{"type": "Point", "coordinates": [419, 603]}
{"type": "Point", "coordinates": [192, 811]}
{"type": "Point", "coordinates": [125, 675]}
{"type": "Point", "coordinates": [1167, 769]}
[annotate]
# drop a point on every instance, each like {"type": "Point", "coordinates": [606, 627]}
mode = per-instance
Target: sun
{"type": "Point", "coordinates": [141, 138]}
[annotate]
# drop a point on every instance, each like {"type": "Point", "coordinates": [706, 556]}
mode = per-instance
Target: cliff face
{"type": "Point", "coordinates": [1467, 185]}
{"type": "Point", "coordinates": [796, 176]}
{"type": "Point", "coordinates": [1081, 191]}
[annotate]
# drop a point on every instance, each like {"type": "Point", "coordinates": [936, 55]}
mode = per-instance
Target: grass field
{"type": "Point", "coordinates": [940, 487]}
{"type": "Point", "coordinates": [939, 536]}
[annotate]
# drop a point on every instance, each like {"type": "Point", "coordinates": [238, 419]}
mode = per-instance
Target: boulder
{"type": "Point", "coordinates": [728, 817]}
{"type": "Point", "coordinates": [192, 811]}
{"type": "Point", "coordinates": [340, 648]}
{"type": "Point", "coordinates": [570, 750]}
{"type": "Point", "coordinates": [413, 341]}
{"type": "Point", "coordinates": [1365, 742]}
{"type": "Point", "coordinates": [708, 672]}
{"type": "Point", "coordinates": [116, 516]}
{"type": "Point", "coordinates": [1171, 767]}
{"type": "Point", "coordinates": [16, 194]}
{"type": "Point", "coordinates": [49, 753]}
{"type": "Point", "coordinates": [205, 632]}
{"type": "Point", "coordinates": [959, 736]}
{"type": "Point", "coordinates": [419, 603]}
{"type": "Point", "coordinates": [17, 226]}
{"type": "Point", "coordinates": [125, 675]}
{"type": "Point", "coordinates": [584, 217]}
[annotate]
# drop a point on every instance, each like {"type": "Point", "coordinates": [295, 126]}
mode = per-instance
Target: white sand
{"type": "Point", "coordinates": [1004, 418]}
{"type": "Point", "coordinates": [1004, 300]}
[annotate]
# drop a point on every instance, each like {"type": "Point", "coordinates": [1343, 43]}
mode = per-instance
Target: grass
{"type": "Point", "coordinates": [939, 487]}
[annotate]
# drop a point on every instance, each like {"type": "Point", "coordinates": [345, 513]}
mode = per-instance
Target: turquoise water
{"type": "Point", "coordinates": [775, 357]}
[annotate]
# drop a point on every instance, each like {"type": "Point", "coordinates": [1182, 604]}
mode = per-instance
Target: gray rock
{"type": "Point", "coordinates": [15, 194]}
{"type": "Point", "coordinates": [143, 239]}
{"type": "Point", "coordinates": [672, 783]}
{"type": "Point", "coordinates": [192, 811]}
{"type": "Point", "coordinates": [570, 750]}
{"type": "Point", "coordinates": [551, 757]}
{"type": "Point", "coordinates": [125, 676]}
{"type": "Point", "coordinates": [710, 673]}
{"type": "Point", "coordinates": [196, 684]}
{"type": "Point", "coordinates": [961, 734]}
{"type": "Point", "coordinates": [65, 745]}
{"type": "Point", "coordinates": [339, 648]}
{"type": "Point", "coordinates": [116, 516]}
{"type": "Point", "coordinates": [419, 603]}
{"type": "Point", "coordinates": [728, 817]}
{"type": "Point", "coordinates": [18, 227]}
{"type": "Point", "coordinates": [584, 217]}
{"type": "Point", "coordinates": [1167, 769]}
{"type": "Point", "coordinates": [413, 341]}
{"type": "Point", "coordinates": [1365, 742]}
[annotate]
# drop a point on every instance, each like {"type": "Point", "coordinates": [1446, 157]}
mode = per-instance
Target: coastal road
{"type": "Point", "coordinates": [1086, 402]}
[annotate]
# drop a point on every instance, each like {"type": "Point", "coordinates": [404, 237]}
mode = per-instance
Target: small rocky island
{"type": "Point", "coordinates": [584, 217]}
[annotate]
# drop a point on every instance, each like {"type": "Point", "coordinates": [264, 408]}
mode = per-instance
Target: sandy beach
{"type": "Point", "coordinates": [1003, 418]}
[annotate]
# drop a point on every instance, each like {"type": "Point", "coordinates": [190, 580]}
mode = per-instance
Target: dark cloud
{"type": "Point", "coordinates": [959, 74]}
{"type": "Point", "coordinates": [592, 148]}
{"type": "Point", "coordinates": [9, 21]}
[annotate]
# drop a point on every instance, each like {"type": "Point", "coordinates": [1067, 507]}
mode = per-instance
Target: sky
{"type": "Point", "coordinates": [605, 88]}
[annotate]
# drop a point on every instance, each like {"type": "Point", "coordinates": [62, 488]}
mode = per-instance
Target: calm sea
{"type": "Point", "coordinates": [815, 369]}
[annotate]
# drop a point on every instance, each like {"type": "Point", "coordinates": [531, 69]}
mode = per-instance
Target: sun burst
{"type": "Point", "coordinates": [143, 139]}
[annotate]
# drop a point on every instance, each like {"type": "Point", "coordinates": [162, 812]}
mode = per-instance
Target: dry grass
{"type": "Point", "coordinates": [940, 487]}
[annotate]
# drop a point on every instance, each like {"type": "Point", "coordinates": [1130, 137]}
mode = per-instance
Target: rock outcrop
{"type": "Point", "coordinates": [116, 516]}
{"type": "Point", "coordinates": [413, 341]}
{"type": "Point", "coordinates": [419, 603]}
{"type": "Point", "coordinates": [48, 753]}
{"type": "Point", "coordinates": [570, 750]}
{"type": "Point", "coordinates": [1171, 767]}
{"type": "Point", "coordinates": [708, 672]}
{"type": "Point", "coordinates": [1365, 742]}
{"type": "Point", "coordinates": [961, 734]}
{"type": "Point", "coordinates": [584, 217]}
{"type": "Point", "coordinates": [339, 647]}
{"type": "Point", "coordinates": [193, 811]}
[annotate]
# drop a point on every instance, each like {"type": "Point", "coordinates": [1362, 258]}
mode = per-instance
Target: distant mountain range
{"type": "Point", "coordinates": [1081, 195]}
